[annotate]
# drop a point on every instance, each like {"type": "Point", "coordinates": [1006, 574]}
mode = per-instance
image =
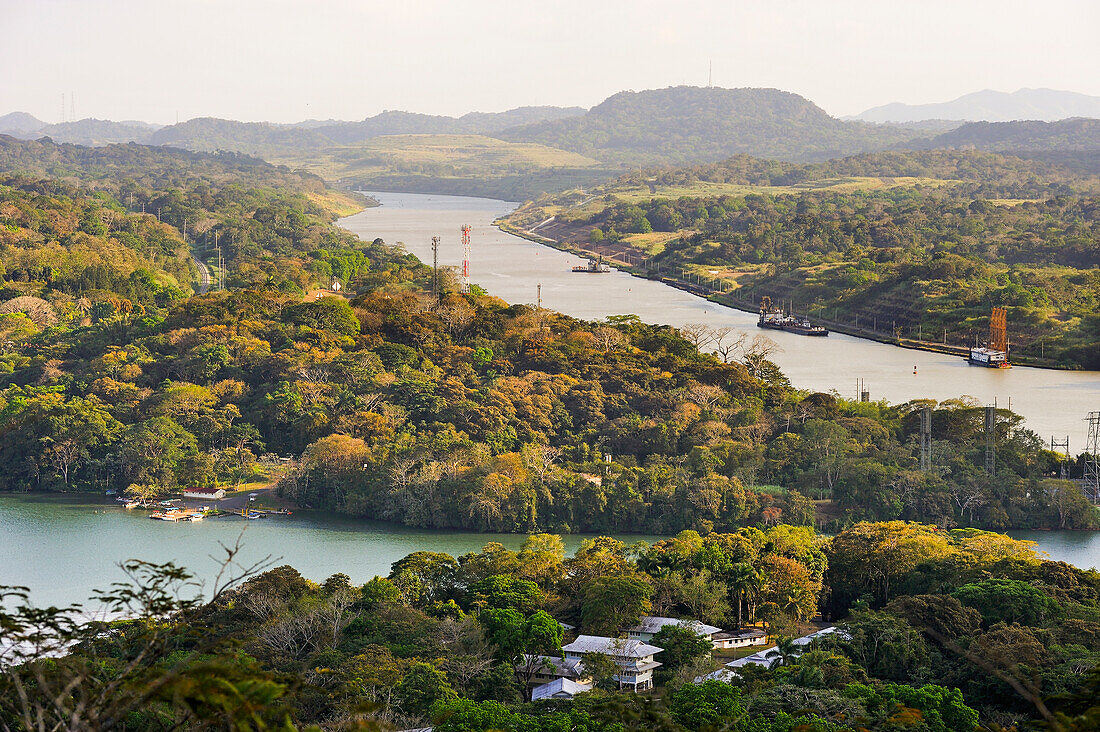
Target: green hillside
{"type": "Point", "coordinates": [692, 124]}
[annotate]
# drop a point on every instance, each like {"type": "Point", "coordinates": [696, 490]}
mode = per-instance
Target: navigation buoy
{"type": "Point", "coordinates": [914, 371]}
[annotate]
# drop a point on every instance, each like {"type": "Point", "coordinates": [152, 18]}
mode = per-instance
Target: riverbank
{"type": "Point", "coordinates": [738, 299]}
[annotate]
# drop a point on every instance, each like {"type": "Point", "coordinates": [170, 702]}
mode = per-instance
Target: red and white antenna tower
{"type": "Point", "coordinates": [466, 258]}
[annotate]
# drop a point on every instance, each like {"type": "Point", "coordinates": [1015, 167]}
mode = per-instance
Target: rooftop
{"type": "Point", "coordinates": [559, 666]}
{"type": "Point", "coordinates": [558, 686]}
{"type": "Point", "coordinates": [653, 624]}
{"type": "Point", "coordinates": [619, 647]}
{"type": "Point", "coordinates": [743, 633]}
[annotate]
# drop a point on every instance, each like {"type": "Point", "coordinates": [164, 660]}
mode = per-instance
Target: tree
{"type": "Point", "coordinates": [517, 637]}
{"type": "Point", "coordinates": [504, 591]}
{"type": "Point", "coordinates": [425, 577]}
{"type": "Point", "coordinates": [707, 705]}
{"type": "Point", "coordinates": [784, 653]}
{"type": "Point", "coordinates": [885, 645]}
{"type": "Point", "coordinates": [423, 686]}
{"type": "Point", "coordinates": [601, 668]}
{"type": "Point", "coordinates": [613, 603]}
{"type": "Point", "coordinates": [1009, 601]}
{"type": "Point", "coordinates": [682, 646]}
{"type": "Point", "coordinates": [867, 558]}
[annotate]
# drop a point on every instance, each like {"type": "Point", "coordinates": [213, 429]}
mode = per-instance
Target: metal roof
{"type": "Point", "coordinates": [619, 647]}
{"type": "Point", "coordinates": [653, 624]}
{"type": "Point", "coordinates": [558, 686]}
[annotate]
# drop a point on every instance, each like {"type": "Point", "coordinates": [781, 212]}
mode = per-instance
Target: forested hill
{"type": "Point", "coordinates": [253, 138]}
{"type": "Point", "coordinates": [693, 124]}
{"type": "Point", "coordinates": [1069, 134]}
{"type": "Point", "coordinates": [84, 229]}
{"type": "Point", "coordinates": [474, 123]}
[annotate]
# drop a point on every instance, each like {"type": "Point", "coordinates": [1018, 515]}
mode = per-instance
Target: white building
{"type": "Point", "coordinates": [743, 638]}
{"type": "Point", "coordinates": [212, 494]}
{"type": "Point", "coordinates": [648, 626]}
{"type": "Point", "coordinates": [633, 657]}
{"type": "Point", "coordinates": [559, 689]}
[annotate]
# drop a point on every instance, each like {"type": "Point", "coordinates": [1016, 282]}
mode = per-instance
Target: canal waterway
{"type": "Point", "coordinates": [65, 546]}
{"type": "Point", "coordinates": [1054, 403]}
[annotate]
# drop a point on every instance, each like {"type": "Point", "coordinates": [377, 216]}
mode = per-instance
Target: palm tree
{"type": "Point", "coordinates": [784, 652]}
{"type": "Point", "coordinates": [744, 580]}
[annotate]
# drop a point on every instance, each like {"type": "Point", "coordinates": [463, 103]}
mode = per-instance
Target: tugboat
{"type": "Point", "coordinates": [594, 266]}
{"type": "Point", "coordinates": [776, 319]}
{"type": "Point", "coordinates": [995, 355]}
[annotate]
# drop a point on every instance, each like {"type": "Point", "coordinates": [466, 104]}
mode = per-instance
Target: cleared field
{"type": "Point", "coordinates": [442, 155]}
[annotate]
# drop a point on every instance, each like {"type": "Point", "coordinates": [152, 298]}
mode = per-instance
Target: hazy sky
{"type": "Point", "coordinates": [286, 60]}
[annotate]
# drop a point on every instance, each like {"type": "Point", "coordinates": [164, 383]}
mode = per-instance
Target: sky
{"type": "Point", "coordinates": [288, 60]}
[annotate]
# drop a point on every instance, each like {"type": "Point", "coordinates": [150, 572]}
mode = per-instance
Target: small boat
{"type": "Point", "coordinates": [594, 266]}
{"type": "Point", "coordinates": [110, 492]}
{"type": "Point", "coordinates": [253, 515]}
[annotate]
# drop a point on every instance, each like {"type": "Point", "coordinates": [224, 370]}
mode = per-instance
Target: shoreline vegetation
{"type": "Point", "coordinates": [946, 630]}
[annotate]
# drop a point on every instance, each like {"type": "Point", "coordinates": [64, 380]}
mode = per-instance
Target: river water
{"type": "Point", "coordinates": [65, 546]}
{"type": "Point", "coordinates": [1054, 403]}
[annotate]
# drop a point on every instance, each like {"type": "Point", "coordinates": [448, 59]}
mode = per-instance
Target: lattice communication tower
{"type": "Point", "coordinates": [466, 258]}
{"type": "Point", "coordinates": [1091, 483]}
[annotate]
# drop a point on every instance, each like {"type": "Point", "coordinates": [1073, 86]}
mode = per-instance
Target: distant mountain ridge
{"type": "Point", "coordinates": [16, 122]}
{"type": "Point", "coordinates": [210, 133]}
{"type": "Point", "coordinates": [992, 106]}
{"type": "Point", "coordinates": [702, 124]}
{"type": "Point", "coordinates": [413, 123]}
{"type": "Point", "coordinates": [1067, 134]}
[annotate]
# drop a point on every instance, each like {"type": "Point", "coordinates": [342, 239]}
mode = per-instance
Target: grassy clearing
{"type": "Point", "coordinates": [449, 155]}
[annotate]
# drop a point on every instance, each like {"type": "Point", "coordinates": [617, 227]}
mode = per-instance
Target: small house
{"type": "Point", "coordinates": [205, 494]}
{"type": "Point", "coordinates": [648, 626]}
{"type": "Point", "coordinates": [743, 638]}
{"type": "Point", "coordinates": [633, 657]}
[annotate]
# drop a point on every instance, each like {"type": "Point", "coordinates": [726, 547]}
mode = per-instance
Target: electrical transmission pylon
{"type": "Point", "coordinates": [991, 440]}
{"type": "Point", "coordinates": [1091, 483]}
{"type": "Point", "coordinates": [926, 439]}
{"type": "Point", "coordinates": [1061, 449]}
{"type": "Point", "coordinates": [435, 268]}
{"type": "Point", "coordinates": [465, 258]}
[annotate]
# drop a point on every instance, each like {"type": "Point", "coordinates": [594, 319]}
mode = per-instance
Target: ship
{"type": "Point", "coordinates": [595, 266]}
{"type": "Point", "coordinates": [995, 354]}
{"type": "Point", "coordinates": [776, 319]}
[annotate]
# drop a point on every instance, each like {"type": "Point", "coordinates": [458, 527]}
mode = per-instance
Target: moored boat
{"type": "Point", "coordinates": [776, 319]}
{"type": "Point", "coordinates": [594, 266]}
